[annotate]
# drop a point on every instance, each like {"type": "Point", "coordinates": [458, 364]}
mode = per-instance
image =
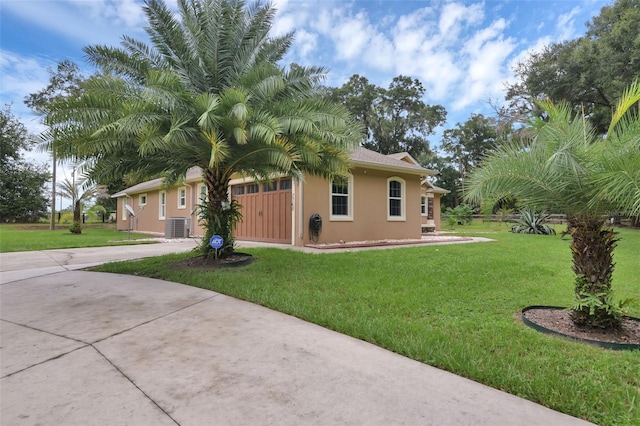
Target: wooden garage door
{"type": "Point", "coordinates": [266, 211]}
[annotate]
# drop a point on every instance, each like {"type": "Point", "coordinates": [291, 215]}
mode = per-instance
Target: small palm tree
{"type": "Point", "coordinates": [567, 168]}
{"type": "Point", "coordinates": [78, 192]}
{"type": "Point", "coordinates": [209, 93]}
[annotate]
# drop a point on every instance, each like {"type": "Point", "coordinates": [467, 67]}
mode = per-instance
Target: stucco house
{"type": "Point", "coordinates": [385, 197]}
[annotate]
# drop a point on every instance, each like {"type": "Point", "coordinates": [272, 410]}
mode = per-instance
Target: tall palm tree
{"type": "Point", "coordinates": [208, 92]}
{"type": "Point", "coordinates": [567, 168]}
{"type": "Point", "coordinates": [78, 192]}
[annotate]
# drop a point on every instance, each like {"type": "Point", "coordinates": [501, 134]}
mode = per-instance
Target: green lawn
{"type": "Point", "coordinates": [451, 306]}
{"type": "Point", "coordinates": [29, 237]}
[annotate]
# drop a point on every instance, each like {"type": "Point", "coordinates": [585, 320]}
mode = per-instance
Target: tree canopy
{"type": "Point", "coordinates": [589, 73]}
{"type": "Point", "coordinates": [207, 92]}
{"type": "Point", "coordinates": [22, 184]}
{"type": "Point", "coordinates": [396, 119]}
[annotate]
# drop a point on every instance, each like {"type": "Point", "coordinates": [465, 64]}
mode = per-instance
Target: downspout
{"type": "Point", "coordinates": [300, 211]}
{"type": "Point", "coordinates": [191, 210]}
{"type": "Point", "coordinates": [293, 212]}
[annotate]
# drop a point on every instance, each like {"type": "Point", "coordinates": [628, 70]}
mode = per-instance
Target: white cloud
{"type": "Point", "coordinates": [127, 12]}
{"type": "Point", "coordinates": [351, 35]}
{"type": "Point", "coordinates": [22, 76]}
{"type": "Point", "coordinates": [566, 24]}
{"type": "Point", "coordinates": [305, 43]}
{"type": "Point", "coordinates": [486, 54]}
{"type": "Point", "coordinates": [455, 16]}
{"type": "Point", "coordinates": [85, 22]}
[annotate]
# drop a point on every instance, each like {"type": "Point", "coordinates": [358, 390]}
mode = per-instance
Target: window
{"type": "Point", "coordinates": [341, 193]}
{"type": "Point", "coordinates": [253, 188]}
{"type": "Point", "coordinates": [163, 205]}
{"type": "Point", "coordinates": [202, 199]}
{"type": "Point", "coordinates": [396, 201]}
{"type": "Point", "coordinates": [124, 209]}
{"type": "Point", "coordinates": [285, 184]}
{"type": "Point", "coordinates": [142, 199]}
{"type": "Point", "coordinates": [423, 205]}
{"type": "Point", "coordinates": [270, 187]}
{"type": "Point", "coordinates": [237, 190]}
{"type": "Point", "coordinates": [182, 198]}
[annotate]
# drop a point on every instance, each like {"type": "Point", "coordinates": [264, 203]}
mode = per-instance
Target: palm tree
{"type": "Point", "coordinates": [78, 192]}
{"type": "Point", "coordinates": [567, 168]}
{"type": "Point", "coordinates": [208, 93]}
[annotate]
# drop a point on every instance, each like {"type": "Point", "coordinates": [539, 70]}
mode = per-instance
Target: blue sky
{"type": "Point", "coordinates": [462, 51]}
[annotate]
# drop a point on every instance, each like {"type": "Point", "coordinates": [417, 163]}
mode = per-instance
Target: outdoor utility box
{"type": "Point", "coordinates": [175, 227]}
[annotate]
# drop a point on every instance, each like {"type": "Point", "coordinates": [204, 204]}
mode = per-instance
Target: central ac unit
{"type": "Point", "coordinates": [175, 227]}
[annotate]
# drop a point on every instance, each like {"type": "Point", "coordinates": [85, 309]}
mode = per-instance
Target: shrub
{"type": "Point", "coordinates": [532, 222]}
{"type": "Point", "coordinates": [461, 214]}
{"type": "Point", "coordinates": [76, 228]}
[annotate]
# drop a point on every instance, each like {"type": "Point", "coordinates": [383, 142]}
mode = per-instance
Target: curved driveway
{"type": "Point", "coordinates": [87, 348]}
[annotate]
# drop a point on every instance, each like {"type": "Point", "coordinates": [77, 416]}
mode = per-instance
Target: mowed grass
{"type": "Point", "coordinates": [30, 237]}
{"type": "Point", "coordinates": [455, 307]}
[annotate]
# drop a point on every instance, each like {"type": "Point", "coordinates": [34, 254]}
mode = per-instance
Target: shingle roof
{"type": "Point", "coordinates": [193, 173]}
{"type": "Point", "coordinates": [434, 189]}
{"type": "Point", "coordinates": [363, 156]}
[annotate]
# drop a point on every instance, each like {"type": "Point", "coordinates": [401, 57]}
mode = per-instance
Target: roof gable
{"type": "Point", "coordinates": [401, 162]}
{"type": "Point", "coordinates": [404, 156]}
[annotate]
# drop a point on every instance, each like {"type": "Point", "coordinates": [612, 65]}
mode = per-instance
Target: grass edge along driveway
{"type": "Point", "coordinates": [32, 237]}
{"type": "Point", "coordinates": [454, 307]}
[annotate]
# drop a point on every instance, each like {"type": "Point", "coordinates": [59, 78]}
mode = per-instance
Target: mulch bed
{"type": "Point", "coordinates": [559, 320]}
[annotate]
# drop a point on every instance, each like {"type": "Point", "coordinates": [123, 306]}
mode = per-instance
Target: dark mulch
{"type": "Point", "coordinates": [203, 262]}
{"type": "Point", "coordinates": [559, 320]}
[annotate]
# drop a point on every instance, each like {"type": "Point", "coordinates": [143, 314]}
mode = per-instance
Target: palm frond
{"type": "Point", "coordinates": [629, 98]}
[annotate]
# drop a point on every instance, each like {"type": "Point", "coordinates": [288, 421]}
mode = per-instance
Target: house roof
{"type": "Point", "coordinates": [435, 189]}
{"type": "Point", "coordinates": [404, 156]}
{"type": "Point", "coordinates": [401, 162]}
{"type": "Point", "coordinates": [193, 174]}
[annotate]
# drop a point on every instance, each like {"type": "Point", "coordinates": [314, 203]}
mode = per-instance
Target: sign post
{"type": "Point", "coordinates": [216, 242]}
{"type": "Point", "coordinates": [129, 209]}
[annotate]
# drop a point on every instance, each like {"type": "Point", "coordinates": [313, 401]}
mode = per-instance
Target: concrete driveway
{"type": "Point", "coordinates": [87, 348]}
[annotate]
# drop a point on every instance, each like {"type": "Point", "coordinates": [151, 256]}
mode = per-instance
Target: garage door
{"type": "Point", "coordinates": [266, 211]}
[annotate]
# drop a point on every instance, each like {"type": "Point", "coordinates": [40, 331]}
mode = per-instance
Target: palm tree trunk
{"type": "Point", "coordinates": [592, 250]}
{"type": "Point", "coordinates": [76, 211]}
{"type": "Point", "coordinates": [217, 215]}
{"type": "Point", "coordinates": [76, 227]}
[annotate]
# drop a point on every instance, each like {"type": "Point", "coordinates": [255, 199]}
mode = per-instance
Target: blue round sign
{"type": "Point", "coordinates": [216, 241]}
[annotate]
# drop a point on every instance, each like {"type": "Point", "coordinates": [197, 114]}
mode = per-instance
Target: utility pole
{"type": "Point", "coordinates": [52, 225]}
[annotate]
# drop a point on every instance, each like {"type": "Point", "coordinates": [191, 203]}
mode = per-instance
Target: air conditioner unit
{"type": "Point", "coordinates": [175, 227]}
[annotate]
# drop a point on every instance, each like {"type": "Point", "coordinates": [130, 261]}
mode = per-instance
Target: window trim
{"type": "Point", "coordinates": [202, 190]}
{"type": "Point", "coordinates": [140, 196]}
{"type": "Point", "coordinates": [180, 190]}
{"type": "Point", "coordinates": [270, 186]}
{"type": "Point", "coordinates": [237, 190]}
{"type": "Point", "coordinates": [350, 192]}
{"type": "Point", "coordinates": [424, 206]}
{"type": "Point", "coordinates": [162, 205]}
{"type": "Point", "coordinates": [403, 200]}
{"type": "Point", "coordinates": [285, 184]}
